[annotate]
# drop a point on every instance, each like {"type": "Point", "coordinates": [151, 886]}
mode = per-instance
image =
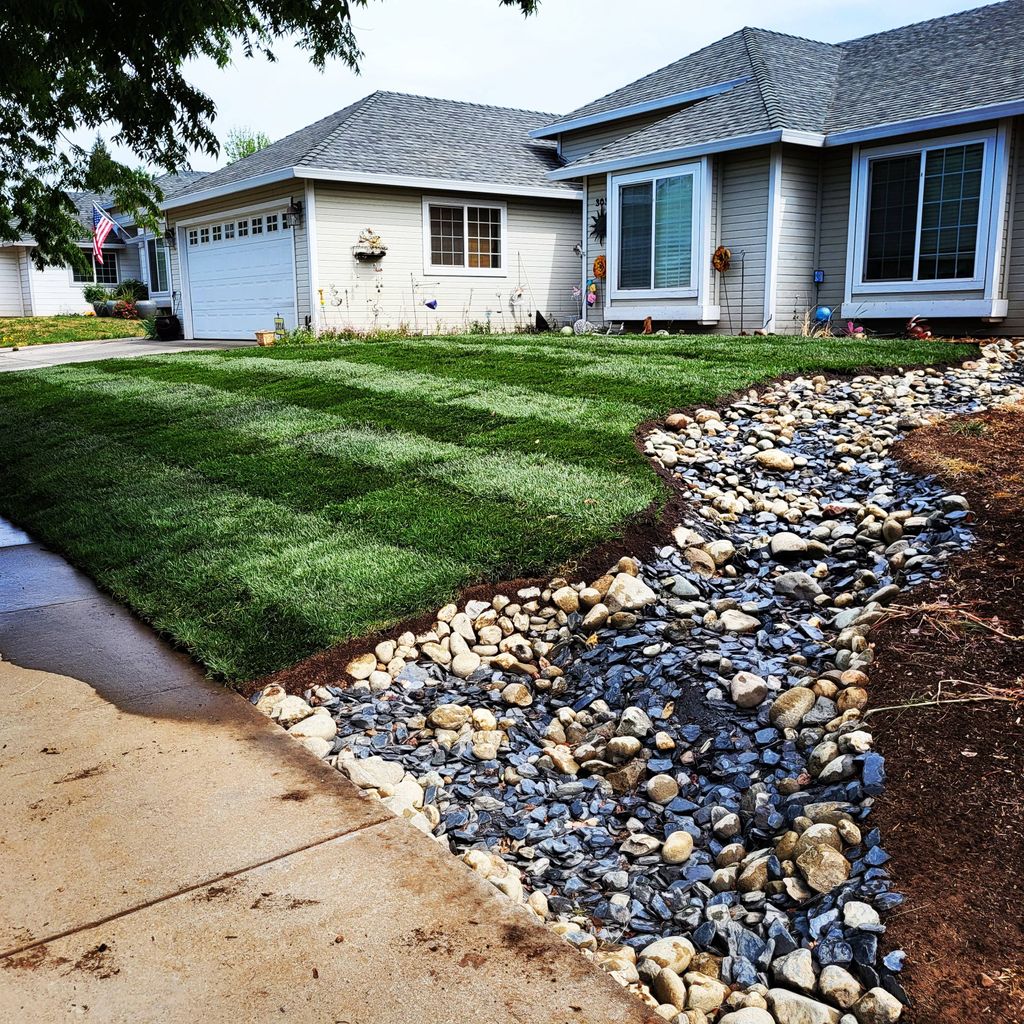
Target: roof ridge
{"type": "Point", "coordinates": [763, 76]}
{"type": "Point", "coordinates": [349, 112]}
{"type": "Point", "coordinates": [928, 21]}
{"type": "Point", "coordinates": [463, 103]}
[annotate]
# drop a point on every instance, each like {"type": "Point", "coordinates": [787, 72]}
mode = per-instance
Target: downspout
{"type": "Point", "coordinates": [771, 256]}
{"type": "Point", "coordinates": [586, 253]}
{"type": "Point", "coordinates": [312, 257]}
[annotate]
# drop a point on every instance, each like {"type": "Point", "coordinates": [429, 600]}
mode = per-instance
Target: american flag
{"type": "Point", "coordinates": [102, 225]}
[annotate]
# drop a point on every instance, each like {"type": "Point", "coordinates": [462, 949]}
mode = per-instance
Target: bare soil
{"type": "Point", "coordinates": [952, 816]}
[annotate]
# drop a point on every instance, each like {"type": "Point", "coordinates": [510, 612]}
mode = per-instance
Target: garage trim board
{"type": "Point", "coordinates": [238, 272]}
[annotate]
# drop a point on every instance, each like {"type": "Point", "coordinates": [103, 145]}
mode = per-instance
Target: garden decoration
{"type": "Point", "coordinates": [823, 314]}
{"type": "Point", "coordinates": [917, 328]}
{"type": "Point", "coordinates": [431, 303]}
{"type": "Point", "coordinates": [599, 223]}
{"type": "Point", "coordinates": [721, 258]}
{"type": "Point", "coordinates": [600, 268]}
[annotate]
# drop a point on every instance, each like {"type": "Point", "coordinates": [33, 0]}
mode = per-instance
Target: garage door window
{"type": "Point", "coordinates": [256, 225]}
{"type": "Point", "coordinates": [216, 232]}
{"type": "Point", "coordinates": [272, 222]}
{"type": "Point", "coordinates": [229, 230]}
{"type": "Point", "coordinates": [243, 229]}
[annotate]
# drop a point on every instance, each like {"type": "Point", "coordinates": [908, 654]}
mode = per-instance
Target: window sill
{"type": "Point", "coordinates": [689, 311]}
{"type": "Point", "coordinates": [463, 272]}
{"type": "Point", "coordinates": [865, 309]}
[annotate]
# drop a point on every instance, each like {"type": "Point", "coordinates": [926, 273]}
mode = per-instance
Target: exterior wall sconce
{"type": "Point", "coordinates": [293, 215]}
{"type": "Point", "coordinates": [171, 237]}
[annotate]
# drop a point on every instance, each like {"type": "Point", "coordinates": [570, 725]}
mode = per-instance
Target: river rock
{"type": "Point", "coordinates": [877, 1007]}
{"type": "Point", "coordinates": [794, 1008]}
{"type": "Point", "coordinates": [823, 868]}
{"type": "Point", "coordinates": [775, 459]}
{"type": "Point", "coordinates": [628, 594]}
{"type": "Point", "coordinates": [839, 986]}
{"type": "Point", "coordinates": [790, 707]}
{"type": "Point", "coordinates": [734, 621]}
{"type": "Point", "coordinates": [747, 690]}
{"type": "Point", "coordinates": [677, 848]}
{"type": "Point", "coordinates": [674, 952]}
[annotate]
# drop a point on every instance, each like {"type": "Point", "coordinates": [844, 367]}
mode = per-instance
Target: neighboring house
{"type": "Point", "coordinates": [891, 166]}
{"type": "Point", "coordinates": [26, 290]}
{"type": "Point", "coordinates": [459, 194]}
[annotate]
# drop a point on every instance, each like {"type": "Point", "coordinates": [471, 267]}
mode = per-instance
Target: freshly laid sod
{"type": "Point", "coordinates": [260, 505]}
{"type": "Point", "coordinates": [47, 330]}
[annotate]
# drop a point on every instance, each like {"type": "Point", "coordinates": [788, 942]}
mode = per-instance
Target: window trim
{"type": "Point", "coordinates": [432, 269]}
{"type": "Point", "coordinates": [106, 284]}
{"type": "Point", "coordinates": [159, 243]}
{"type": "Point", "coordinates": [989, 216]}
{"type": "Point", "coordinates": [698, 169]}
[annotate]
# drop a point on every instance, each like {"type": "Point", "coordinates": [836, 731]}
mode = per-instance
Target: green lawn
{"type": "Point", "coordinates": [260, 505]}
{"type": "Point", "coordinates": [46, 330]}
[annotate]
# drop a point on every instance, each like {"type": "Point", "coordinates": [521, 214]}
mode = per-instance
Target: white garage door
{"type": "Point", "coordinates": [241, 275]}
{"type": "Point", "coordinates": [10, 283]}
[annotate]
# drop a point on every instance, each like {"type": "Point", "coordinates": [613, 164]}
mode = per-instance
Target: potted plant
{"type": "Point", "coordinates": [96, 295]}
{"type": "Point", "coordinates": [135, 291]}
{"type": "Point", "coordinates": [369, 247]}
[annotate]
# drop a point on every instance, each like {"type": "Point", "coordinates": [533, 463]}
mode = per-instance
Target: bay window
{"type": "Point", "coordinates": [654, 233]}
{"type": "Point", "coordinates": [922, 213]}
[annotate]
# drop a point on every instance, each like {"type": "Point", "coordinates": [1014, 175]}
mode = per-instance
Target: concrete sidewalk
{"type": "Point", "coordinates": [35, 357]}
{"type": "Point", "coordinates": [170, 855]}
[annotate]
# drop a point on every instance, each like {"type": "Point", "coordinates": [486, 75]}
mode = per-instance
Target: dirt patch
{"type": "Point", "coordinates": [953, 812]}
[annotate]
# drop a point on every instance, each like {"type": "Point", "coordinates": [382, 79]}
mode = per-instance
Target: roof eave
{"type": "Point", "coordinates": [228, 188]}
{"type": "Point", "coordinates": [440, 184]}
{"type": "Point", "coordinates": [668, 155]}
{"type": "Point", "coordinates": [633, 109]}
{"type": "Point", "coordinates": [949, 119]}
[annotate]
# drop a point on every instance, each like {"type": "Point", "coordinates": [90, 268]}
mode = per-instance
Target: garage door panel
{"type": "Point", "coordinates": [238, 286]}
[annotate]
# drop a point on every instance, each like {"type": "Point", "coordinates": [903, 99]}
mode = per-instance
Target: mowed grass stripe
{"type": "Point", "coordinates": [148, 416]}
{"type": "Point", "coordinates": [477, 394]}
{"type": "Point", "coordinates": [209, 565]}
{"type": "Point", "coordinates": [261, 505]}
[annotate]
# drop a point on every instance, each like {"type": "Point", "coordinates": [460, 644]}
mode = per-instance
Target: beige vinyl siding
{"type": "Point", "coordinates": [834, 223]}
{"type": "Point", "coordinates": [54, 292]}
{"type": "Point", "coordinates": [393, 292]}
{"type": "Point", "coordinates": [11, 303]}
{"type": "Point", "coordinates": [797, 248]}
{"type": "Point", "coordinates": [579, 143]}
{"type": "Point", "coordinates": [222, 207]}
{"type": "Point", "coordinates": [743, 180]}
{"type": "Point", "coordinates": [1013, 242]}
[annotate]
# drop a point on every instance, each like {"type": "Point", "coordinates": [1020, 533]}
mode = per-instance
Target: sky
{"type": "Point", "coordinates": [570, 52]}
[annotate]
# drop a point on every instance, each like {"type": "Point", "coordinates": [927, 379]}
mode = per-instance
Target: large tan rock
{"type": "Point", "coordinates": [628, 593]}
{"type": "Point", "coordinates": [823, 868]}
{"type": "Point", "coordinates": [788, 709]}
{"type": "Point", "coordinates": [362, 666]}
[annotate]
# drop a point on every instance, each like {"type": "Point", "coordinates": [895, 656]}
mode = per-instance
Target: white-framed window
{"type": "Point", "coordinates": [229, 230]}
{"type": "Point", "coordinates": [464, 237]}
{"type": "Point", "coordinates": [159, 260]}
{"type": "Point", "coordinates": [654, 232]}
{"type": "Point", "coordinates": [243, 228]}
{"type": "Point", "coordinates": [102, 273]}
{"type": "Point", "coordinates": [216, 232]}
{"type": "Point", "coordinates": [271, 222]}
{"type": "Point", "coordinates": [256, 225]}
{"type": "Point", "coordinates": [193, 236]}
{"type": "Point", "coordinates": [204, 236]}
{"type": "Point", "coordinates": [921, 214]}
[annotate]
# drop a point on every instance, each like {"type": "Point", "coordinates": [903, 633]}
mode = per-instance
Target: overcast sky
{"type": "Point", "coordinates": [570, 52]}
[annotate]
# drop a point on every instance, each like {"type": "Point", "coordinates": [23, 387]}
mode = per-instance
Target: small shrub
{"type": "Point", "coordinates": [95, 293]}
{"type": "Point", "coordinates": [131, 290]}
{"type": "Point", "coordinates": [125, 309]}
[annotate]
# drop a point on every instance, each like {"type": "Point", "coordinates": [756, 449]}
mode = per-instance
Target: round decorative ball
{"type": "Point", "coordinates": [567, 330]}
{"type": "Point", "coordinates": [823, 314]}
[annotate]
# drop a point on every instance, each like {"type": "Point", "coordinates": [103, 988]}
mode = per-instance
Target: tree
{"type": "Point", "coordinates": [243, 142]}
{"type": "Point", "coordinates": [67, 66]}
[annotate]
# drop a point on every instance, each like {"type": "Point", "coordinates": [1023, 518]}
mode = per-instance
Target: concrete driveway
{"type": "Point", "coordinates": [35, 357]}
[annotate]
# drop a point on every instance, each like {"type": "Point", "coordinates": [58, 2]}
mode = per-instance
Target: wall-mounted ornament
{"type": "Point", "coordinates": [431, 303]}
{"type": "Point", "coordinates": [600, 268]}
{"type": "Point", "coordinates": [599, 223]}
{"type": "Point", "coordinates": [370, 247]}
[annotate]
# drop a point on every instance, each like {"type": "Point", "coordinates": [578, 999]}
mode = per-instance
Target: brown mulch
{"type": "Point", "coordinates": [953, 812]}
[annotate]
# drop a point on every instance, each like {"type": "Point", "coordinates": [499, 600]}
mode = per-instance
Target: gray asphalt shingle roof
{"type": "Point", "coordinates": [414, 136]}
{"type": "Point", "coordinates": [957, 62]}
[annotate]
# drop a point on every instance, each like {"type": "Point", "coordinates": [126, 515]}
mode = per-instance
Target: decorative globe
{"type": "Point", "coordinates": [567, 330]}
{"type": "Point", "coordinates": [823, 314]}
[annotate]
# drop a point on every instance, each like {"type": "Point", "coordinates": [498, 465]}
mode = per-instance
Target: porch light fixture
{"type": "Point", "coordinates": [293, 215]}
{"type": "Point", "coordinates": [170, 237]}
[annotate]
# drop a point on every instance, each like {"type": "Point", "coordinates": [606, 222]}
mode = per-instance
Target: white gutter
{"type": "Point", "coordinates": [991, 111]}
{"type": "Point", "coordinates": [359, 178]}
{"type": "Point", "coordinates": [439, 184]}
{"type": "Point", "coordinates": [632, 109]}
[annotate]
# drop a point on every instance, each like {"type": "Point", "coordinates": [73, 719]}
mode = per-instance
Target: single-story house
{"type": "Point", "coordinates": [881, 177]}
{"type": "Point", "coordinates": [397, 211]}
{"type": "Point", "coordinates": [25, 290]}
